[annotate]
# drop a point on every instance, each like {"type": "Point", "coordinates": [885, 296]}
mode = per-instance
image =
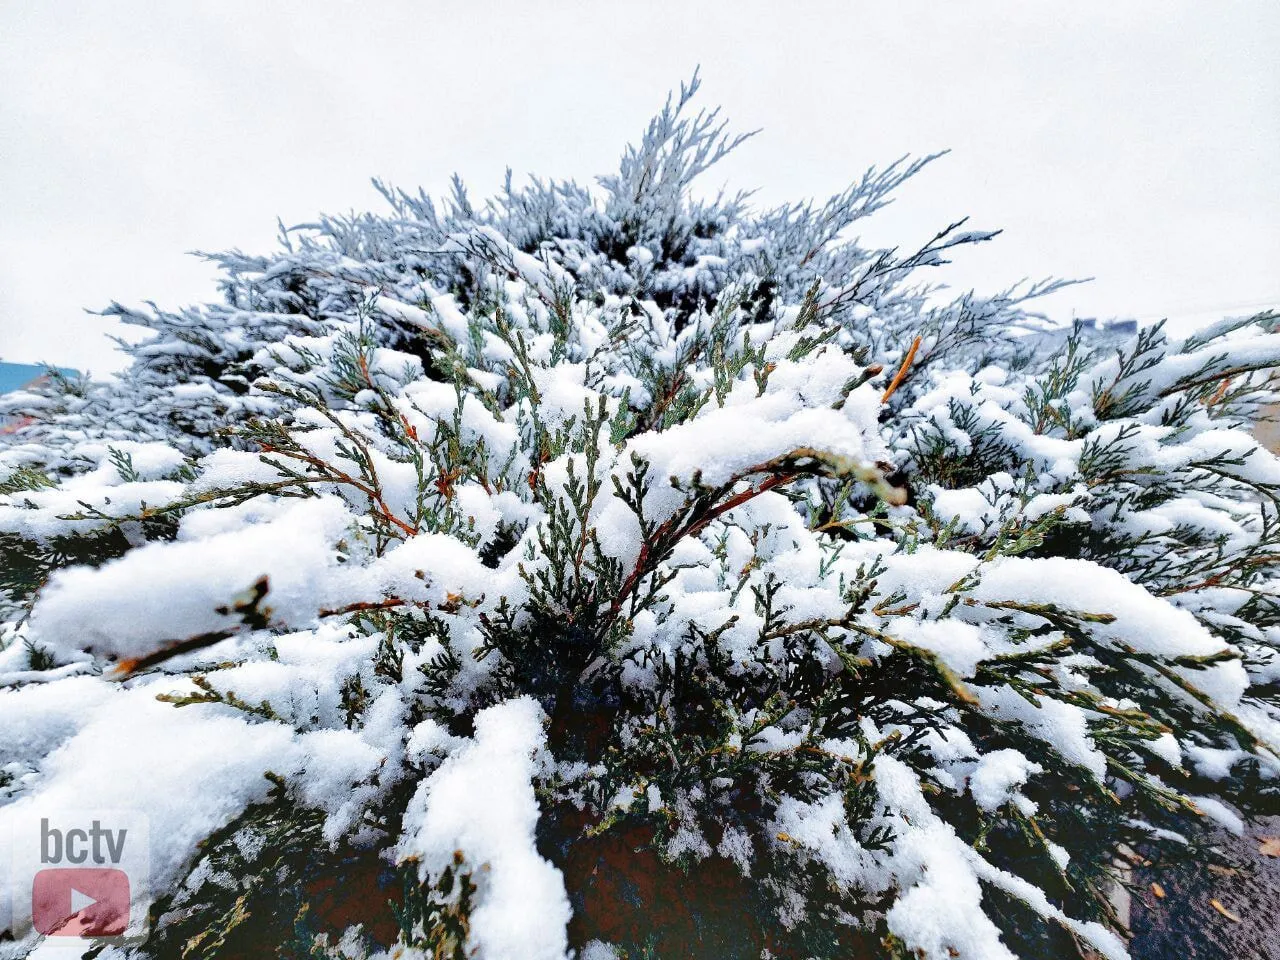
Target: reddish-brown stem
{"type": "Point", "coordinates": [337, 476]}
{"type": "Point", "coordinates": [902, 371]}
{"type": "Point", "coordinates": [363, 605]}
{"type": "Point", "coordinates": [1221, 392]}
{"type": "Point", "coordinates": [642, 561]}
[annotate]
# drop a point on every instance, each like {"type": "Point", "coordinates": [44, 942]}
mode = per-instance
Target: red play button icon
{"type": "Point", "coordinates": [80, 902]}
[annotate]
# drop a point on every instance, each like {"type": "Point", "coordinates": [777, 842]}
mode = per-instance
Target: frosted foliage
{"type": "Point", "coordinates": [582, 568]}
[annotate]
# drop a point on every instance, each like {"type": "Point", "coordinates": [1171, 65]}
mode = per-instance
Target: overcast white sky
{"type": "Point", "coordinates": [1136, 142]}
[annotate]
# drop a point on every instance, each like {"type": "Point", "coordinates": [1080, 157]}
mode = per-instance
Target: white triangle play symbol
{"type": "Point", "coordinates": [80, 900]}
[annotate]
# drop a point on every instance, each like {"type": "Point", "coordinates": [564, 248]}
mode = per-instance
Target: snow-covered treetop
{"type": "Point", "coordinates": [601, 539]}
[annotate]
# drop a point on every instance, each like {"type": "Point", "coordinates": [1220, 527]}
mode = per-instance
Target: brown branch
{"type": "Point", "coordinates": [669, 532]}
{"type": "Point", "coordinates": [363, 605]}
{"type": "Point", "coordinates": [126, 668]}
{"type": "Point", "coordinates": [334, 475]}
{"type": "Point", "coordinates": [1220, 393]}
{"type": "Point", "coordinates": [902, 370]}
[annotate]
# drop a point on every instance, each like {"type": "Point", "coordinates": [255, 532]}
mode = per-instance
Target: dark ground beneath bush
{"type": "Point", "coordinates": [1184, 925]}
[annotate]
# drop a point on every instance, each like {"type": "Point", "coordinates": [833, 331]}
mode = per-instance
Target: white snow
{"type": "Point", "coordinates": [480, 802]}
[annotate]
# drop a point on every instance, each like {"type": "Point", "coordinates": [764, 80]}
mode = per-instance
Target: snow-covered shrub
{"type": "Point", "coordinates": [602, 573]}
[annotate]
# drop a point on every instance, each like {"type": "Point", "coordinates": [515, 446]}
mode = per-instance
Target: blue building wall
{"type": "Point", "coordinates": [15, 376]}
